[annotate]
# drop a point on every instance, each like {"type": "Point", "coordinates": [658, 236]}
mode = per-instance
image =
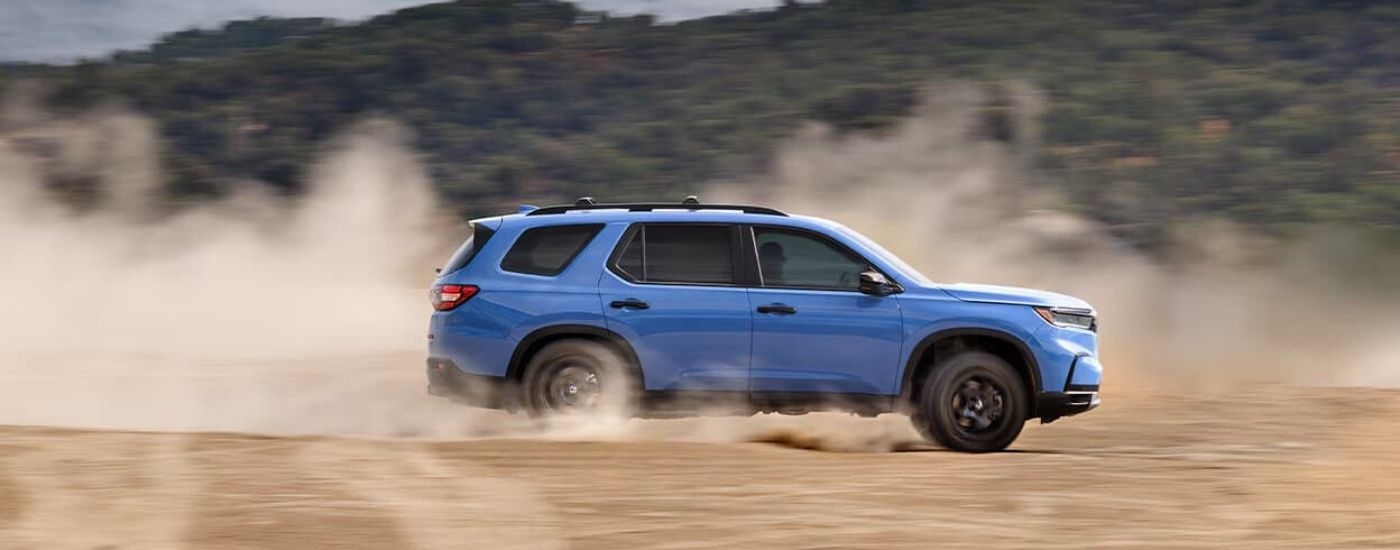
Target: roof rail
{"type": "Point", "coordinates": [691, 202]}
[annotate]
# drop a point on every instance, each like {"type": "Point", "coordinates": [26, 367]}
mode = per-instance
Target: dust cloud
{"type": "Point", "coordinates": [252, 313]}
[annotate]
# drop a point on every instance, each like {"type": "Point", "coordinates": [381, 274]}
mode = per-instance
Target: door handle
{"type": "Point", "coordinates": [777, 308]}
{"type": "Point", "coordinates": [629, 303]}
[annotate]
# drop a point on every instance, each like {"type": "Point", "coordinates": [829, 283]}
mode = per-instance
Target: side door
{"type": "Point", "coordinates": [813, 330]}
{"type": "Point", "coordinates": [674, 291]}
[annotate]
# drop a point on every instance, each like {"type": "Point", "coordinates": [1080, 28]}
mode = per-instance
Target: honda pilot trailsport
{"type": "Point", "coordinates": [664, 309]}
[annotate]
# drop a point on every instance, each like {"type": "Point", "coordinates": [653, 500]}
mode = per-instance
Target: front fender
{"type": "Point", "coordinates": [929, 319]}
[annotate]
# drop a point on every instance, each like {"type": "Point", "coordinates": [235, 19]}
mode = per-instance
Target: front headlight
{"type": "Point", "coordinates": [1068, 317]}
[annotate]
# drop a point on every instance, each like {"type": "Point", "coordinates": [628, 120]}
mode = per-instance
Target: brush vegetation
{"type": "Point", "coordinates": [1273, 113]}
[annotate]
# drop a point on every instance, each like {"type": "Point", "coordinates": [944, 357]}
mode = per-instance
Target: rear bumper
{"type": "Point", "coordinates": [446, 380]}
{"type": "Point", "coordinates": [1052, 405]}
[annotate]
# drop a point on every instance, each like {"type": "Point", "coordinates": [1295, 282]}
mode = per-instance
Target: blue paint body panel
{"type": "Point", "coordinates": [840, 342]}
{"type": "Point", "coordinates": [690, 338]}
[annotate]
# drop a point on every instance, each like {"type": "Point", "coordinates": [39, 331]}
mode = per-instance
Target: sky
{"type": "Point", "coordinates": [65, 30]}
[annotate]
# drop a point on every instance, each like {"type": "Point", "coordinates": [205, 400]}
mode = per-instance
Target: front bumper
{"type": "Point", "coordinates": [445, 379]}
{"type": "Point", "coordinates": [1078, 399]}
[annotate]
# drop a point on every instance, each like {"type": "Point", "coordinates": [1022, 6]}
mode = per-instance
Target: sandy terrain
{"type": "Point", "coordinates": [1277, 467]}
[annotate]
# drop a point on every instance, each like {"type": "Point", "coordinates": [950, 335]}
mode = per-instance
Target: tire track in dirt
{"type": "Point", "coordinates": [437, 504]}
{"type": "Point", "coordinates": [135, 491]}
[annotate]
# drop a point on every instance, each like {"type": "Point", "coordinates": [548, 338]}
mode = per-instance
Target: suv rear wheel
{"type": "Point", "coordinates": [577, 376]}
{"type": "Point", "coordinates": [972, 402]}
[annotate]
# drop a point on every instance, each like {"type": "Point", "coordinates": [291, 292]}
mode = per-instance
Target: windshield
{"type": "Point", "coordinates": [888, 257]}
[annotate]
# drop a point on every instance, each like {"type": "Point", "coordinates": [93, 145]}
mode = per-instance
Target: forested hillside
{"type": "Point", "coordinates": [1275, 113]}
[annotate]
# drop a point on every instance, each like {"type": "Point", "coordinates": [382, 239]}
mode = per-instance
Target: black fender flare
{"type": "Point", "coordinates": [912, 364]}
{"type": "Point", "coordinates": [532, 342]}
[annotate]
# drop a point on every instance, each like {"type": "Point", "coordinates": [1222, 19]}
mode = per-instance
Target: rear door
{"type": "Point", "coordinates": [673, 290]}
{"type": "Point", "coordinates": [813, 330]}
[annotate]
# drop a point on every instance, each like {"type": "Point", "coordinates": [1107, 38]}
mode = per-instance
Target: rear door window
{"type": "Point", "coordinates": [548, 250]}
{"type": "Point", "coordinates": [680, 254]}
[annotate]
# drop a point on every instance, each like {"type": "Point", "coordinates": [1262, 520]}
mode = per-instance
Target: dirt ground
{"type": "Point", "coordinates": [1276, 467]}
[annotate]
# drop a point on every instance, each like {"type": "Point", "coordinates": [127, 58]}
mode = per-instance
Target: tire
{"type": "Point", "coordinates": [578, 376]}
{"type": "Point", "coordinates": [972, 402]}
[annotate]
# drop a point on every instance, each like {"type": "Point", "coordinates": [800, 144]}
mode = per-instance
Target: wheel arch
{"type": "Point", "coordinates": [925, 356]}
{"type": "Point", "coordinates": [541, 337]}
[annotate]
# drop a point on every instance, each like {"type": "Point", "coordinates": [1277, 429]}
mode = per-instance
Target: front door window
{"type": "Point", "coordinates": [792, 259]}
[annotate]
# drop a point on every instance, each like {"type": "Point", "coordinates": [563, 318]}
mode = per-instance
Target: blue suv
{"type": "Point", "coordinates": [666, 309]}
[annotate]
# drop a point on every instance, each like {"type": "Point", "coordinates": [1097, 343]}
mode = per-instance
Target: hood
{"type": "Point", "coordinates": [1012, 295]}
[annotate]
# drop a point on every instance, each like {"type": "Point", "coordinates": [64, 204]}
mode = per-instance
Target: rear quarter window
{"type": "Point", "coordinates": [549, 250]}
{"type": "Point", "coordinates": [464, 254]}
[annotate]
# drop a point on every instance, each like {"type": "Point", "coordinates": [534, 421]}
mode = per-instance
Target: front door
{"type": "Point", "coordinates": [672, 290]}
{"type": "Point", "coordinates": [813, 330]}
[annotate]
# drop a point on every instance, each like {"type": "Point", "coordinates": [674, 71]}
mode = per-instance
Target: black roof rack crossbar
{"type": "Point", "coordinates": [649, 206]}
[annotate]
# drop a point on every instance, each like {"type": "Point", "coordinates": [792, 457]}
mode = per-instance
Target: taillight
{"type": "Point", "coordinates": [448, 297]}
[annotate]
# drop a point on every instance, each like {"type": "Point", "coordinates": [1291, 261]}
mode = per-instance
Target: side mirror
{"type": "Point", "coordinates": [874, 283]}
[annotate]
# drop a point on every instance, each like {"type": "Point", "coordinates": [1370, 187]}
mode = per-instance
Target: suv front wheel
{"type": "Point", "coordinates": [972, 402]}
{"type": "Point", "coordinates": [577, 376]}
